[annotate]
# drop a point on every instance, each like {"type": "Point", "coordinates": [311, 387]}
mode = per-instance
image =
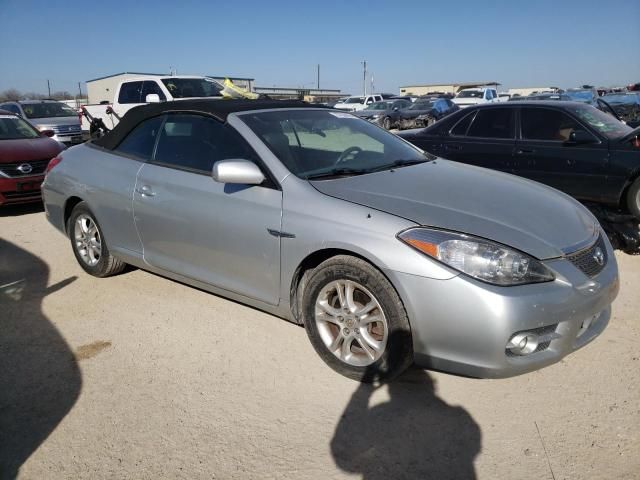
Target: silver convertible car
{"type": "Point", "coordinates": [385, 254]}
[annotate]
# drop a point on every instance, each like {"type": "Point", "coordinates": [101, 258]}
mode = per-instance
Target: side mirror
{"type": "Point", "coordinates": [580, 137]}
{"type": "Point", "coordinates": [152, 98]}
{"type": "Point", "coordinates": [395, 109]}
{"type": "Point", "coordinates": [237, 171]}
{"type": "Point", "coordinates": [47, 133]}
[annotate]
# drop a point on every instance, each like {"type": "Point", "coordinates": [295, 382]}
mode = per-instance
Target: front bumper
{"type": "Point", "coordinates": [20, 190]}
{"type": "Point", "coordinates": [69, 140]}
{"type": "Point", "coordinates": [463, 326]}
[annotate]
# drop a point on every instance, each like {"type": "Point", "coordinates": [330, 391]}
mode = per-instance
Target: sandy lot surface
{"type": "Point", "coordinates": [140, 377]}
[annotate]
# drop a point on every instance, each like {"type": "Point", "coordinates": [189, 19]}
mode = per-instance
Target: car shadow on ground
{"type": "Point", "coordinates": [22, 209]}
{"type": "Point", "coordinates": [39, 379]}
{"type": "Point", "coordinates": [412, 435]}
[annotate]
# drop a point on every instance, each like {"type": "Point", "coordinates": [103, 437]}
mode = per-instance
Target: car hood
{"type": "Point", "coordinates": [28, 149]}
{"type": "Point", "coordinates": [510, 210]}
{"type": "Point", "coordinates": [54, 121]}
{"type": "Point", "coordinates": [415, 113]}
{"type": "Point", "coordinates": [371, 113]}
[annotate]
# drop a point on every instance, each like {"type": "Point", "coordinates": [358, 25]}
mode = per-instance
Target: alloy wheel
{"type": "Point", "coordinates": [87, 240]}
{"type": "Point", "coordinates": [351, 322]}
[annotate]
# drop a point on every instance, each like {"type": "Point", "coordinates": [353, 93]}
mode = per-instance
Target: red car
{"type": "Point", "coordinates": [24, 155]}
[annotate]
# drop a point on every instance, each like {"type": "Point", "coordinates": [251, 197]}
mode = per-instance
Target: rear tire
{"type": "Point", "coordinates": [89, 245]}
{"type": "Point", "coordinates": [356, 321]}
{"type": "Point", "coordinates": [633, 199]}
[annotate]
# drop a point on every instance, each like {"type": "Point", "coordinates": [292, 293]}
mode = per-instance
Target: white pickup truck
{"type": "Point", "coordinates": [148, 89]}
{"type": "Point", "coordinates": [475, 96]}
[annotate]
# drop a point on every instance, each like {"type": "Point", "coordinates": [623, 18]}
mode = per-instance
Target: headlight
{"type": "Point", "coordinates": [479, 258]}
{"type": "Point", "coordinates": [374, 117]}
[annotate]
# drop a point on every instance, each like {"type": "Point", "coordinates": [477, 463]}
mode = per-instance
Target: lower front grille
{"type": "Point", "coordinates": [19, 195]}
{"type": "Point", "coordinates": [591, 260]}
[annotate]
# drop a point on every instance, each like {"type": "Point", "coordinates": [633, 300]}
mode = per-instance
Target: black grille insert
{"type": "Point", "coordinates": [13, 170]}
{"type": "Point", "coordinates": [590, 260]}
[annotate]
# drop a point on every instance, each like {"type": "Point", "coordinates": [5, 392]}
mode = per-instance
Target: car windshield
{"type": "Point", "coordinates": [470, 94]}
{"type": "Point", "coordinates": [421, 106]}
{"type": "Point", "coordinates": [622, 99]}
{"type": "Point", "coordinates": [48, 110]}
{"type": "Point", "coordinates": [606, 124]}
{"type": "Point", "coordinates": [354, 100]}
{"type": "Point", "coordinates": [580, 95]}
{"type": "Point", "coordinates": [380, 106]}
{"type": "Point", "coordinates": [13, 128]}
{"type": "Point", "coordinates": [192, 87]}
{"type": "Point", "coordinates": [315, 144]}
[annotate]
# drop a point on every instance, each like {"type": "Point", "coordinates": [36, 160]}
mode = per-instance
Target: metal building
{"type": "Point", "coordinates": [442, 87]}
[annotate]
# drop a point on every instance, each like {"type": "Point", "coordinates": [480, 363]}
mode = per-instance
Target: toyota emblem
{"type": "Point", "coordinates": [598, 256]}
{"type": "Point", "coordinates": [25, 168]}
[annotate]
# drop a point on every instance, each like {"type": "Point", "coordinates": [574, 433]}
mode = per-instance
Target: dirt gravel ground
{"type": "Point", "coordinates": [140, 377]}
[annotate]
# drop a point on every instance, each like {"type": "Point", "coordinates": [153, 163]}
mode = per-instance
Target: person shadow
{"type": "Point", "coordinates": [39, 376]}
{"type": "Point", "coordinates": [412, 435]}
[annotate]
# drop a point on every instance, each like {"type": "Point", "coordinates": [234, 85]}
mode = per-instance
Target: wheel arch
{"type": "Point", "coordinates": [308, 264]}
{"type": "Point", "coordinates": [69, 205]}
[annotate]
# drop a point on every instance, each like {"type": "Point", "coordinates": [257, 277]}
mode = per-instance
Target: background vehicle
{"type": "Point", "coordinates": [583, 95]}
{"type": "Point", "coordinates": [24, 155]}
{"type": "Point", "coordinates": [626, 105]}
{"type": "Point", "coordinates": [385, 114]}
{"type": "Point", "coordinates": [141, 90]}
{"type": "Point", "coordinates": [475, 96]}
{"type": "Point", "coordinates": [426, 111]}
{"type": "Point", "coordinates": [325, 227]}
{"type": "Point", "coordinates": [573, 147]}
{"type": "Point", "coordinates": [543, 96]}
{"type": "Point", "coordinates": [49, 115]}
{"type": "Point", "coordinates": [353, 104]}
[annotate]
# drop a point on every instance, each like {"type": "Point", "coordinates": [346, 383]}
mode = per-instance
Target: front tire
{"type": "Point", "coordinates": [356, 321]}
{"type": "Point", "coordinates": [633, 199]}
{"type": "Point", "coordinates": [88, 244]}
{"type": "Point", "coordinates": [386, 123]}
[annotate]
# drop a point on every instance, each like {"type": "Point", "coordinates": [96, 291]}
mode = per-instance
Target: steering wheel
{"type": "Point", "coordinates": [349, 152]}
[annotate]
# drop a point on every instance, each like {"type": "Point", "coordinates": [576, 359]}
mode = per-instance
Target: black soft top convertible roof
{"type": "Point", "coordinates": [219, 109]}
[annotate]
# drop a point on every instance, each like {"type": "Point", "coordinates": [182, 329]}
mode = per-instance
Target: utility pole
{"type": "Point", "coordinates": [79, 90]}
{"type": "Point", "coordinates": [318, 86]}
{"type": "Point", "coordinates": [364, 77]}
{"type": "Point", "coordinates": [49, 88]}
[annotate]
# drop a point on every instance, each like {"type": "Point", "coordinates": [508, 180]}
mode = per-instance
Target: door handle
{"type": "Point", "coordinates": [145, 191]}
{"type": "Point", "coordinates": [524, 151]}
{"type": "Point", "coordinates": [453, 147]}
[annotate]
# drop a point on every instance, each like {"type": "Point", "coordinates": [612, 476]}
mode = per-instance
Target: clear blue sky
{"type": "Point", "coordinates": [518, 43]}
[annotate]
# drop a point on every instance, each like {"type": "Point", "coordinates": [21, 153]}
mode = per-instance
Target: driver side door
{"type": "Point", "coordinates": [203, 230]}
{"type": "Point", "coordinates": [544, 154]}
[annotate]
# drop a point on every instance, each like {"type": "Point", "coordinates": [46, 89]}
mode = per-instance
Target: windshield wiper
{"type": "Point", "coordinates": [399, 163]}
{"type": "Point", "coordinates": [339, 172]}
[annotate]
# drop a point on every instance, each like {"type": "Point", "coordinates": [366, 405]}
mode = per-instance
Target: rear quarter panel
{"type": "Point", "coordinates": [103, 180]}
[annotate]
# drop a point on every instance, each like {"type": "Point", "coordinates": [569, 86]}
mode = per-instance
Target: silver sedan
{"type": "Point", "coordinates": [385, 254]}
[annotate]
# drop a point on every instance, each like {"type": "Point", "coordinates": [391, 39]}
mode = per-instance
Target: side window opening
{"type": "Point", "coordinates": [196, 142]}
{"type": "Point", "coordinates": [130, 92]}
{"type": "Point", "coordinates": [141, 140]}
{"type": "Point", "coordinates": [460, 128]}
{"type": "Point", "coordinates": [492, 123]}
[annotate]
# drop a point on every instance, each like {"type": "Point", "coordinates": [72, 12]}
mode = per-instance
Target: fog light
{"type": "Point", "coordinates": [523, 343]}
